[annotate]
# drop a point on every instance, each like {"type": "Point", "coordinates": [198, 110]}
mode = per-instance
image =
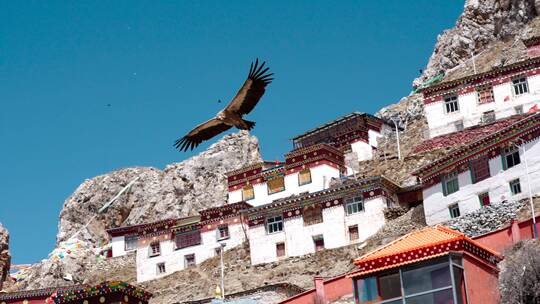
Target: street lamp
{"type": "Point", "coordinates": [529, 186]}
{"type": "Point", "coordinates": [221, 249]}
{"type": "Point", "coordinates": [395, 120]}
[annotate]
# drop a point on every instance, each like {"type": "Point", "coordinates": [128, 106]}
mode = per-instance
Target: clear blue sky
{"type": "Point", "coordinates": [162, 66]}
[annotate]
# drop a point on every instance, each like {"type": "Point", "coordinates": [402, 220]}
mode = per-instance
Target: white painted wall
{"type": "Point", "coordinates": [320, 177]}
{"type": "Point", "coordinates": [174, 259]}
{"type": "Point", "coordinates": [363, 150]}
{"type": "Point", "coordinates": [118, 246]}
{"type": "Point", "coordinates": [436, 204]}
{"type": "Point", "coordinates": [374, 135]}
{"type": "Point", "coordinates": [298, 238]}
{"type": "Point", "coordinates": [470, 111]}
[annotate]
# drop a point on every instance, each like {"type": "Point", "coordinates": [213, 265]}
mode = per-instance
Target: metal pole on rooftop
{"type": "Point", "coordinates": [473, 62]}
{"type": "Point", "coordinates": [222, 248]}
{"type": "Point", "coordinates": [397, 136]}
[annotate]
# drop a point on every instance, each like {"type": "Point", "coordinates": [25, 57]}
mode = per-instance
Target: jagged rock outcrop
{"type": "Point", "coordinates": [180, 189]}
{"type": "Point", "coordinates": [482, 23]}
{"type": "Point", "coordinates": [404, 112]}
{"type": "Point", "coordinates": [5, 258]}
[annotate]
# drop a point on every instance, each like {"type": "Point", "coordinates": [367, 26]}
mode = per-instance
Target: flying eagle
{"type": "Point", "coordinates": [245, 100]}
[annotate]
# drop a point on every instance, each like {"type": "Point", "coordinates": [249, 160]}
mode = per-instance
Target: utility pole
{"type": "Point", "coordinates": [473, 62]}
{"type": "Point", "coordinates": [394, 119]}
{"type": "Point", "coordinates": [221, 249]}
{"type": "Point", "coordinates": [530, 191]}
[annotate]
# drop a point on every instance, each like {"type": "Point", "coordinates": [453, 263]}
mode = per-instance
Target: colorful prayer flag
{"type": "Point", "coordinates": [533, 109]}
{"type": "Point", "coordinates": [507, 98]}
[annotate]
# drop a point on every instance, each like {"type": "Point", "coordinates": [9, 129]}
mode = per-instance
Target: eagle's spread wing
{"type": "Point", "coordinates": [252, 90]}
{"type": "Point", "coordinates": [201, 133]}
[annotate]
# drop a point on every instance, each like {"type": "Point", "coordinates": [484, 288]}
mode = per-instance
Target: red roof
{"type": "Point", "coordinates": [466, 136]}
{"type": "Point", "coordinates": [424, 244]}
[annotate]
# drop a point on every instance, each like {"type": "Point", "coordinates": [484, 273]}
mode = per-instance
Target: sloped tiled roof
{"type": "Point", "coordinates": [523, 127]}
{"type": "Point", "coordinates": [424, 244]}
{"type": "Point", "coordinates": [453, 140]}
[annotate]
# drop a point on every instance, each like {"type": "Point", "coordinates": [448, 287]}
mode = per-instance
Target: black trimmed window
{"type": "Point", "coordinates": [189, 260]}
{"type": "Point", "coordinates": [274, 224]}
{"type": "Point", "coordinates": [515, 186]}
{"type": "Point", "coordinates": [510, 158]}
{"type": "Point", "coordinates": [354, 205]}
{"type": "Point", "coordinates": [304, 177]}
{"type": "Point", "coordinates": [450, 183]}
{"type": "Point", "coordinates": [520, 85]}
{"type": "Point", "coordinates": [223, 232]}
{"type": "Point", "coordinates": [160, 268]}
{"type": "Point", "coordinates": [451, 104]}
{"type": "Point", "coordinates": [318, 242]}
{"type": "Point", "coordinates": [454, 211]}
{"type": "Point", "coordinates": [154, 249]}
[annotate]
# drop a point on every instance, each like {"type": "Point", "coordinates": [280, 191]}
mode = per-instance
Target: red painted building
{"type": "Point", "coordinates": [435, 265]}
{"type": "Point", "coordinates": [107, 292]}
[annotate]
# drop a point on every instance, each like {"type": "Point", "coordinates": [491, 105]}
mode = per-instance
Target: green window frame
{"type": "Point", "coordinates": [510, 158]}
{"type": "Point", "coordinates": [450, 183]}
{"type": "Point", "coordinates": [454, 211]}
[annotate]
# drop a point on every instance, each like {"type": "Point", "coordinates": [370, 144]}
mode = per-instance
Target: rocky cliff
{"type": "Point", "coordinates": [5, 258]}
{"type": "Point", "coordinates": [483, 23]}
{"type": "Point", "coordinates": [179, 190]}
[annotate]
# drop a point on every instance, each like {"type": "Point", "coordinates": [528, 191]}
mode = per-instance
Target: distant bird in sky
{"type": "Point", "coordinates": [245, 100]}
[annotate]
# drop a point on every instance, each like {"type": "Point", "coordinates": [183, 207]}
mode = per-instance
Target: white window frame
{"type": "Point", "coordinates": [451, 104]}
{"type": "Point", "coordinates": [520, 85]}
{"type": "Point", "coordinates": [356, 202]}
{"type": "Point", "coordinates": [274, 224]}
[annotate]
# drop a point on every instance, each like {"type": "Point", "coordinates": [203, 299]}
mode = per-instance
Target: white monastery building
{"type": "Point", "coordinates": [343, 214]}
{"type": "Point", "coordinates": [454, 105]}
{"type": "Point", "coordinates": [289, 208]}
{"type": "Point", "coordinates": [492, 116]}
{"type": "Point", "coordinates": [317, 158]}
{"type": "Point", "coordinates": [171, 245]}
{"type": "Point", "coordinates": [304, 170]}
{"type": "Point", "coordinates": [499, 165]}
{"type": "Point", "coordinates": [355, 133]}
